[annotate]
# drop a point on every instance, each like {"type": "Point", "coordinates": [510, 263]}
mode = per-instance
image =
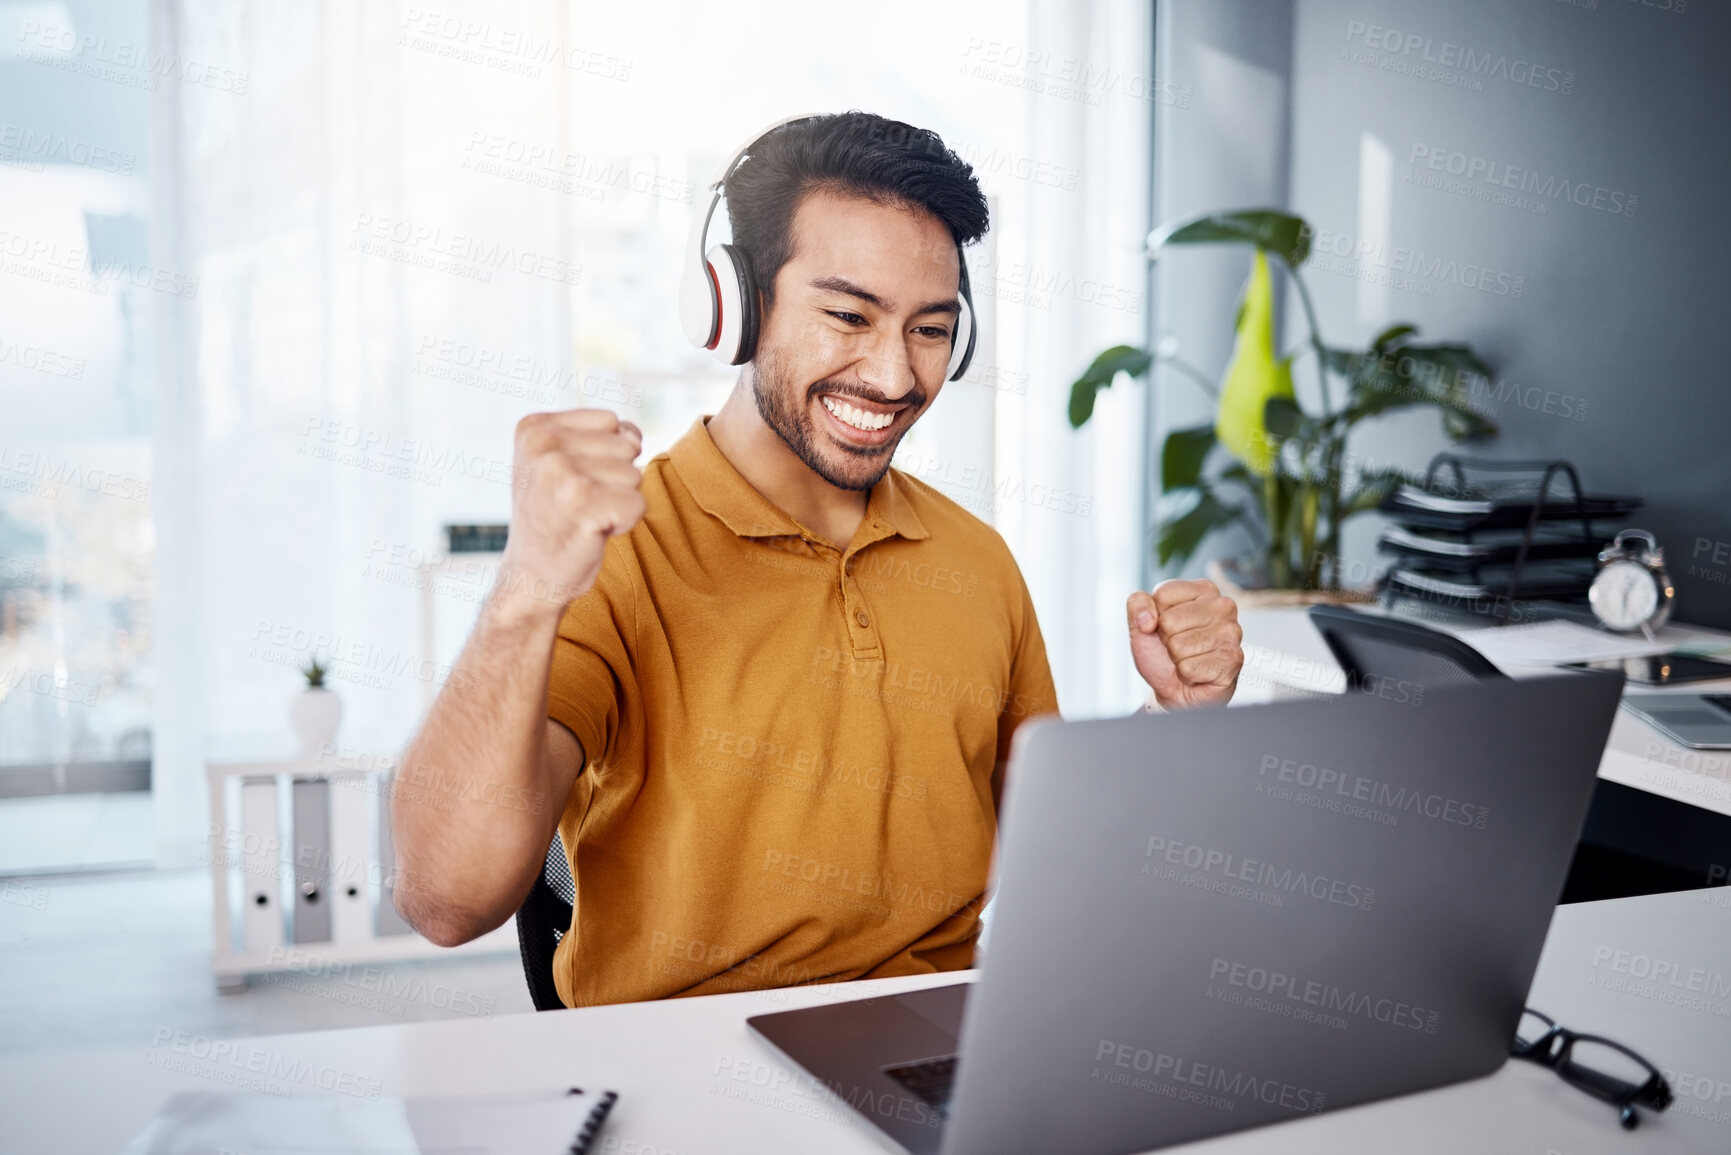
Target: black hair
{"type": "Point", "coordinates": [854, 154]}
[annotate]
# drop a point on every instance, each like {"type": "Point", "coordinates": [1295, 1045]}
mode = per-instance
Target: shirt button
{"type": "Point", "coordinates": [860, 617]}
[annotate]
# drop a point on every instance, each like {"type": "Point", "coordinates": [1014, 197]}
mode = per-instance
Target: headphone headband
{"type": "Point", "coordinates": [700, 289]}
{"type": "Point", "coordinates": [718, 300]}
{"type": "Point", "coordinates": [740, 153]}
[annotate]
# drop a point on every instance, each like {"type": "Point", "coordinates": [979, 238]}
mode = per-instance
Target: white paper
{"type": "Point", "coordinates": [1400, 535]}
{"type": "Point", "coordinates": [1550, 643]}
{"type": "Point", "coordinates": [1418, 498]}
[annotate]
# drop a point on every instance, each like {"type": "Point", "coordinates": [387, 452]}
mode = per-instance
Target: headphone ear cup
{"type": "Point", "coordinates": [737, 304]}
{"type": "Point", "coordinates": [962, 348]}
{"type": "Point", "coordinates": [749, 314]}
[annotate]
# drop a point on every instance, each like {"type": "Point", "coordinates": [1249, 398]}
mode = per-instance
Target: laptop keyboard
{"type": "Point", "coordinates": [930, 1080]}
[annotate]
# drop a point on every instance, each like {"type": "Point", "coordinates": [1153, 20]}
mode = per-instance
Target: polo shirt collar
{"type": "Point", "coordinates": [719, 490]}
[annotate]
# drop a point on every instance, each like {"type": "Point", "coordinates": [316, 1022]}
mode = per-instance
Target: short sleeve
{"type": "Point", "coordinates": [591, 685]}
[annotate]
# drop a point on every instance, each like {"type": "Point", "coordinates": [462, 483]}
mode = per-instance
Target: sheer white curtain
{"type": "Point", "coordinates": [311, 449]}
{"type": "Point", "coordinates": [415, 225]}
{"type": "Point", "coordinates": [1079, 258]}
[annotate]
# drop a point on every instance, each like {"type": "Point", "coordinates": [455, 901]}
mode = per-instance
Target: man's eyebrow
{"type": "Point", "coordinates": [838, 284]}
{"type": "Point", "coordinates": [835, 284]}
{"type": "Point", "coordinates": [952, 306]}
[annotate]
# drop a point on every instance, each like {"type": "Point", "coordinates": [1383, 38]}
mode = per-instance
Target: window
{"type": "Point", "coordinates": [77, 339]}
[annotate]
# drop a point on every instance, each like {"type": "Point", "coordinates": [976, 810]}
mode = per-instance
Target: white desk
{"type": "Point", "coordinates": [692, 1080]}
{"type": "Point", "coordinates": [1285, 657]}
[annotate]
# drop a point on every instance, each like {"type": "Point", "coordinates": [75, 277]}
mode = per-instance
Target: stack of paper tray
{"type": "Point", "coordinates": [1502, 507]}
{"type": "Point", "coordinates": [1454, 553]}
{"type": "Point", "coordinates": [1487, 546]}
{"type": "Point", "coordinates": [1553, 584]}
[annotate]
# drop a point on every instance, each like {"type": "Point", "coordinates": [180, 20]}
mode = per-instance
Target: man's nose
{"type": "Point", "coordinates": [887, 367]}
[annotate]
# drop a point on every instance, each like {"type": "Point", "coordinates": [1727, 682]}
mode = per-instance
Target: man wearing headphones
{"type": "Point", "coordinates": [770, 709]}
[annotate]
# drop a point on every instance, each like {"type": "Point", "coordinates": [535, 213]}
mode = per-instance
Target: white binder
{"type": "Point", "coordinates": [351, 846]}
{"type": "Point", "coordinates": [261, 852]}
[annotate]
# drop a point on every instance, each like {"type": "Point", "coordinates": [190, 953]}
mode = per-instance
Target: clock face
{"type": "Point", "coordinates": [1624, 595]}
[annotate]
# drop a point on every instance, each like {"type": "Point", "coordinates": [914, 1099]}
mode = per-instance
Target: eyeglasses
{"type": "Point", "coordinates": [1601, 1068]}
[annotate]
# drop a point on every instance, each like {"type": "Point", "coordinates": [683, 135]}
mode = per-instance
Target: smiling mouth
{"type": "Point", "coordinates": [854, 417]}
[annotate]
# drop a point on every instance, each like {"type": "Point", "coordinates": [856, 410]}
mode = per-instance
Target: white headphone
{"type": "Point", "coordinates": [718, 306]}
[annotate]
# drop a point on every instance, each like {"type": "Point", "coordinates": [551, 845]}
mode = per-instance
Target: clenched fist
{"type": "Point", "coordinates": [577, 486]}
{"type": "Point", "coordinates": [1185, 639]}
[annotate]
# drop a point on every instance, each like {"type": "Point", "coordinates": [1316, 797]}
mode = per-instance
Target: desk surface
{"type": "Point", "coordinates": [692, 1079]}
{"type": "Point", "coordinates": [1284, 656]}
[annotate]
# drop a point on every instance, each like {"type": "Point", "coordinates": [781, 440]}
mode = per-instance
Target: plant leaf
{"type": "Point", "coordinates": [1100, 375]}
{"type": "Point", "coordinates": [1282, 417]}
{"type": "Point", "coordinates": [1469, 425]}
{"type": "Point", "coordinates": [1253, 376]}
{"type": "Point", "coordinates": [1238, 475]}
{"type": "Point", "coordinates": [1439, 375]}
{"type": "Point", "coordinates": [1391, 335]}
{"type": "Point", "coordinates": [1345, 362]}
{"type": "Point", "coordinates": [1284, 235]}
{"type": "Point", "coordinates": [1372, 487]}
{"type": "Point", "coordinates": [1180, 536]}
{"type": "Point", "coordinates": [1182, 456]}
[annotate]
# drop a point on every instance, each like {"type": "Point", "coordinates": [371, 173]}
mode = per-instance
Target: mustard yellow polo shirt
{"type": "Point", "coordinates": [791, 748]}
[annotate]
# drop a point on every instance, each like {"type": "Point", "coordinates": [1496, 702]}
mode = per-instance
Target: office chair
{"type": "Point", "coordinates": [1368, 646]}
{"type": "Point", "coordinates": [1633, 842]}
{"type": "Point", "coordinates": [542, 921]}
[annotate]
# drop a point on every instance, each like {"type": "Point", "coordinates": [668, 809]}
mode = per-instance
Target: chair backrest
{"type": "Point", "coordinates": [542, 921]}
{"type": "Point", "coordinates": [1369, 646]}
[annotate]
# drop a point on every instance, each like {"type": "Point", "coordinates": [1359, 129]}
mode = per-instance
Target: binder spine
{"type": "Point", "coordinates": [350, 897]}
{"type": "Point", "coordinates": [312, 846]}
{"type": "Point", "coordinates": [262, 915]}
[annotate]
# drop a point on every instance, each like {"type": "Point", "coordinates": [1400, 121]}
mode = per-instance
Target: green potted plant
{"type": "Point", "coordinates": [1265, 462]}
{"type": "Point", "coordinates": [316, 711]}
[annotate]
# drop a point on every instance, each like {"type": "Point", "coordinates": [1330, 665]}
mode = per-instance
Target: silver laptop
{"type": "Point", "coordinates": [1702, 721]}
{"type": "Point", "coordinates": [1217, 919]}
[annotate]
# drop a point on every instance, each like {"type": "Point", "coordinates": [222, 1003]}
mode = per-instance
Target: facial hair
{"type": "Point", "coordinates": [776, 394]}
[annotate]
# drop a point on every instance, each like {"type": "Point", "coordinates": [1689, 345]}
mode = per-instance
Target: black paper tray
{"type": "Point", "coordinates": [1509, 514]}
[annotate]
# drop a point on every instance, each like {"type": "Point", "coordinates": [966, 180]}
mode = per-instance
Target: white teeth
{"type": "Point", "coordinates": [858, 418]}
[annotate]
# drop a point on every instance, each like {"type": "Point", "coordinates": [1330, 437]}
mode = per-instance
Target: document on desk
{"type": "Point", "coordinates": [1551, 643]}
{"type": "Point", "coordinates": [522, 1123]}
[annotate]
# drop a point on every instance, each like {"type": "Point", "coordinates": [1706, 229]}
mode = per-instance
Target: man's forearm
{"type": "Point", "coordinates": [472, 811]}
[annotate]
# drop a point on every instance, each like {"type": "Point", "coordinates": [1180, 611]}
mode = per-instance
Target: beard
{"type": "Point", "coordinates": [786, 408]}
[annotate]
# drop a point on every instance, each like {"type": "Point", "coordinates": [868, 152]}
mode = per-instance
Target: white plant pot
{"type": "Point", "coordinates": [315, 715]}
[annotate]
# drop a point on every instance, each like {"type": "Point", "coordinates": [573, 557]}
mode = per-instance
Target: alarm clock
{"type": "Point", "coordinates": [1632, 591]}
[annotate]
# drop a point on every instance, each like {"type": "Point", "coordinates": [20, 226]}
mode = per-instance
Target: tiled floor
{"type": "Point", "coordinates": [109, 960]}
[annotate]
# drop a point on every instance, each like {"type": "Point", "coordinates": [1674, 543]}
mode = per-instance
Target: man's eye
{"type": "Point", "coordinates": [847, 318]}
{"type": "Point", "coordinates": [933, 331]}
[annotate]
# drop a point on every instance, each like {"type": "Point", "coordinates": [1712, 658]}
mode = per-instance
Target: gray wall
{"type": "Point", "coordinates": [1620, 316]}
{"type": "Point", "coordinates": [1219, 142]}
{"type": "Point", "coordinates": [1604, 326]}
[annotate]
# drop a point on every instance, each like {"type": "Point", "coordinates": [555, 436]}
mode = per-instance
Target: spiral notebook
{"type": "Point", "coordinates": [521, 1123]}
